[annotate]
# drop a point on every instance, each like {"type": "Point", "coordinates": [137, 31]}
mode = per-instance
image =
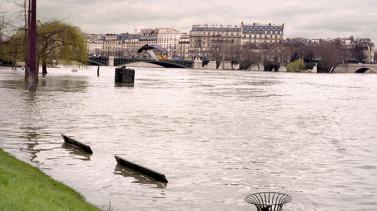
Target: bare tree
{"type": "Point", "coordinates": [5, 27]}
{"type": "Point", "coordinates": [13, 25]}
{"type": "Point", "coordinates": [10, 47]}
{"type": "Point", "coordinates": [222, 50]}
{"type": "Point", "coordinates": [216, 51]}
{"type": "Point", "coordinates": [233, 53]}
{"type": "Point", "coordinates": [330, 55]}
{"type": "Point", "coordinates": [270, 56]}
{"type": "Point", "coordinates": [298, 48]}
{"type": "Point", "coordinates": [357, 53]}
{"type": "Point", "coordinates": [250, 55]}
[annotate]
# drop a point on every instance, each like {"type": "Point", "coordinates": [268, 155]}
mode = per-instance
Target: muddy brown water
{"type": "Point", "coordinates": [217, 135]}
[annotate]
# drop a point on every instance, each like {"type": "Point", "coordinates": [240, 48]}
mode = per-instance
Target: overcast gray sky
{"type": "Point", "coordinates": [307, 18]}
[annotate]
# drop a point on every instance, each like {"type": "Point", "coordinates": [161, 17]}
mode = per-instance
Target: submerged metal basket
{"type": "Point", "coordinates": [268, 201]}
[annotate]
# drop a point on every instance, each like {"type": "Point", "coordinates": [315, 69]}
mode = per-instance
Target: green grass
{"type": "Point", "coordinates": [24, 187]}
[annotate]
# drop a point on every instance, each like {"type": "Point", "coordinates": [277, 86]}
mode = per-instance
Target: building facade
{"type": "Point", "coordinates": [148, 36]}
{"type": "Point", "coordinates": [94, 44]}
{"type": "Point", "coordinates": [168, 39]}
{"type": "Point", "coordinates": [207, 38]}
{"type": "Point", "coordinates": [184, 46]}
{"type": "Point", "coordinates": [131, 45]}
{"type": "Point", "coordinates": [203, 38]}
{"type": "Point", "coordinates": [257, 33]}
{"type": "Point", "coordinates": [112, 45]}
{"type": "Point", "coordinates": [362, 50]}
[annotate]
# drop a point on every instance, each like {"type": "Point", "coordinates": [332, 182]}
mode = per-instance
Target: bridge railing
{"type": "Point", "coordinates": [105, 61]}
{"type": "Point", "coordinates": [167, 63]}
{"type": "Point", "coordinates": [98, 60]}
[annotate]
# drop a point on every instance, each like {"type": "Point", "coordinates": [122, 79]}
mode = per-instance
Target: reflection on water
{"type": "Point", "coordinates": [124, 85]}
{"type": "Point", "coordinates": [218, 136]}
{"type": "Point", "coordinates": [31, 137]}
{"type": "Point", "coordinates": [55, 83]}
{"type": "Point", "coordinates": [74, 151]}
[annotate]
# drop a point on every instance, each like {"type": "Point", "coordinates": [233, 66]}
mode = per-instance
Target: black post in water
{"type": "Point", "coordinates": [98, 71]}
{"type": "Point", "coordinates": [141, 169]}
{"type": "Point", "coordinates": [77, 144]}
{"type": "Point", "coordinates": [124, 75]}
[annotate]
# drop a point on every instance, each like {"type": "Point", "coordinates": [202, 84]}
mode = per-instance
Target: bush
{"type": "Point", "coordinates": [296, 66]}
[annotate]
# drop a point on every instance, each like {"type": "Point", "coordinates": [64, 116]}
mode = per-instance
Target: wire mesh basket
{"type": "Point", "coordinates": [268, 201]}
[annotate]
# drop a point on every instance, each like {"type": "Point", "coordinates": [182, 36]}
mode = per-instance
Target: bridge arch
{"type": "Point", "coordinates": [362, 70]}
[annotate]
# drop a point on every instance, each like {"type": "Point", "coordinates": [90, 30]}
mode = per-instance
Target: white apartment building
{"type": "Point", "coordinates": [94, 47]}
{"type": "Point", "coordinates": [262, 33]}
{"type": "Point", "coordinates": [94, 43]}
{"type": "Point", "coordinates": [112, 45]}
{"type": "Point", "coordinates": [168, 39]}
{"type": "Point", "coordinates": [203, 38]}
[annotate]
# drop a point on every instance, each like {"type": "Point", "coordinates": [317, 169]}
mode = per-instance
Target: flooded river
{"type": "Point", "coordinates": [218, 136]}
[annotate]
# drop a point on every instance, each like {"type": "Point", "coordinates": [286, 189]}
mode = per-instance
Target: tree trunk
{"type": "Point", "coordinates": [26, 73]}
{"type": "Point", "coordinates": [44, 67]}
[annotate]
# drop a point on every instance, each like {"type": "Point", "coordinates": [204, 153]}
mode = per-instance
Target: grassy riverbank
{"type": "Point", "coordinates": [24, 187]}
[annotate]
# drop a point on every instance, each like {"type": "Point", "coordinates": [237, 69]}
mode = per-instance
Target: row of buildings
{"type": "Point", "coordinates": [202, 40]}
{"type": "Point", "coordinates": [197, 43]}
{"type": "Point", "coordinates": [126, 44]}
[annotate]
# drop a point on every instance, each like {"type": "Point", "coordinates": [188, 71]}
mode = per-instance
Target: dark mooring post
{"type": "Point", "coordinates": [141, 169]}
{"type": "Point", "coordinates": [32, 54]}
{"type": "Point", "coordinates": [98, 71]}
{"type": "Point", "coordinates": [124, 75]}
{"type": "Point", "coordinates": [80, 146]}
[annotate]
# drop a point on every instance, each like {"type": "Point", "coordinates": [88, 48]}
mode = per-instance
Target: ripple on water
{"type": "Point", "coordinates": [218, 136]}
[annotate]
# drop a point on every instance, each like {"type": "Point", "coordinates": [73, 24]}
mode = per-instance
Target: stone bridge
{"type": "Point", "coordinates": [356, 68]}
{"type": "Point", "coordinates": [112, 61]}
